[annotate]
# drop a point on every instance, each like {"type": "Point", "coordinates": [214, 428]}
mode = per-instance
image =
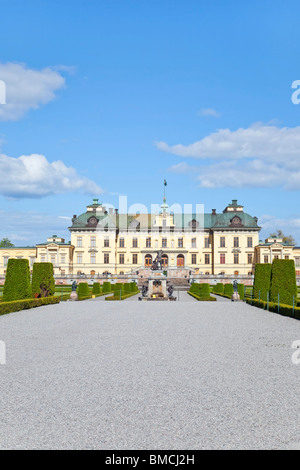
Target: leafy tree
{"type": "Point", "coordinates": [6, 243]}
{"type": "Point", "coordinates": [285, 238]}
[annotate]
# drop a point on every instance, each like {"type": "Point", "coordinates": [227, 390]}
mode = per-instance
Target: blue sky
{"type": "Point", "coordinates": [126, 93]}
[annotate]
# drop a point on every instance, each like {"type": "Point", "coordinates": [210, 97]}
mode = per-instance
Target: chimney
{"type": "Point", "coordinates": [214, 211]}
{"type": "Point", "coordinates": [116, 211]}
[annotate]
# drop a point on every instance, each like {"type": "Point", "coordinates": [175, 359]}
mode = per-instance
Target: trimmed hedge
{"type": "Point", "coordinates": [117, 297]}
{"type": "Point", "coordinates": [17, 305]}
{"type": "Point", "coordinates": [96, 288]}
{"type": "Point", "coordinates": [285, 310]}
{"type": "Point", "coordinates": [17, 280]}
{"type": "Point", "coordinates": [204, 290]}
{"type": "Point", "coordinates": [219, 288]}
{"type": "Point", "coordinates": [42, 273]}
{"type": "Point", "coordinates": [119, 286]}
{"type": "Point", "coordinates": [228, 289]}
{"type": "Point", "coordinates": [262, 281]}
{"type": "Point", "coordinates": [241, 291]}
{"type": "Point", "coordinates": [106, 287]}
{"type": "Point", "coordinates": [134, 287]}
{"type": "Point", "coordinates": [201, 297]}
{"type": "Point", "coordinates": [83, 289]}
{"type": "Point", "coordinates": [283, 281]}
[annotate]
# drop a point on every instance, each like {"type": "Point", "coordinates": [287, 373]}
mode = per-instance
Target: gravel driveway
{"type": "Point", "coordinates": [149, 375]}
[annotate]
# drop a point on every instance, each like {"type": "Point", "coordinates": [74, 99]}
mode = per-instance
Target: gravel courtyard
{"type": "Point", "coordinates": [149, 375]}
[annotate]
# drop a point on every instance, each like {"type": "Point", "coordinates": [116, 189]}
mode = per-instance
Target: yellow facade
{"type": "Point", "coordinates": [108, 242]}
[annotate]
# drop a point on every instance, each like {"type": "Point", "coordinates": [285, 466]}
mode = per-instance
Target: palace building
{"type": "Point", "coordinates": [106, 241]}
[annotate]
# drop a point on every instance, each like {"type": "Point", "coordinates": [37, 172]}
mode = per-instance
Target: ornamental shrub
{"type": "Point", "coordinates": [228, 289]}
{"type": "Point", "coordinates": [127, 288]}
{"type": "Point", "coordinates": [283, 281]}
{"type": "Point", "coordinates": [204, 290]}
{"type": "Point", "coordinates": [134, 287]}
{"type": "Point", "coordinates": [194, 287]}
{"type": "Point", "coordinates": [42, 273]}
{"type": "Point", "coordinates": [262, 281]}
{"type": "Point", "coordinates": [219, 288]}
{"type": "Point", "coordinates": [119, 286]}
{"type": "Point", "coordinates": [241, 291]}
{"type": "Point", "coordinates": [106, 288]}
{"type": "Point", "coordinates": [83, 289]}
{"type": "Point", "coordinates": [96, 288]}
{"type": "Point", "coordinates": [17, 280]}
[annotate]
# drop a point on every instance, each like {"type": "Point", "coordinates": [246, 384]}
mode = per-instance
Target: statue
{"type": "Point", "coordinates": [235, 296]}
{"type": "Point", "coordinates": [74, 286]}
{"type": "Point", "coordinates": [157, 264]}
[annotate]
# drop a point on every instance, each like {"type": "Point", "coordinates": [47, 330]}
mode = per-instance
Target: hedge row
{"type": "Point", "coordinates": [279, 279]}
{"type": "Point", "coordinates": [202, 298]}
{"type": "Point", "coordinates": [285, 310]}
{"type": "Point", "coordinates": [201, 291]}
{"type": "Point", "coordinates": [17, 305]}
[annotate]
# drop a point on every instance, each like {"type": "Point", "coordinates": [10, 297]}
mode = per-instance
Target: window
{"type": "Point", "coordinates": [121, 258]}
{"type": "Point", "coordinates": [222, 242]}
{"type": "Point", "coordinates": [297, 262]}
{"type": "Point", "coordinates": [62, 272]}
{"type": "Point", "coordinates": [276, 256]}
{"type": "Point", "coordinates": [194, 243]}
{"type": "Point", "coordinates": [79, 258]}
{"type": "Point", "coordinates": [206, 242]}
{"type": "Point", "coordinates": [148, 242]}
{"type": "Point", "coordinates": [134, 243]}
{"type": "Point", "coordinates": [43, 258]}
{"type": "Point", "coordinates": [236, 258]}
{"type": "Point", "coordinates": [266, 259]}
{"type": "Point", "coordinates": [194, 258]}
{"type": "Point", "coordinates": [250, 258]}
{"type": "Point", "coordinates": [93, 258]}
{"type": "Point", "coordinates": [93, 242]}
{"type": "Point", "coordinates": [79, 242]}
{"type": "Point", "coordinates": [180, 242]}
{"type": "Point", "coordinates": [134, 258]}
{"type": "Point", "coordinates": [222, 258]}
{"type": "Point", "coordinates": [5, 260]}
{"type": "Point", "coordinates": [249, 242]}
{"type": "Point", "coordinates": [122, 243]}
{"type": "Point", "coordinates": [106, 258]}
{"type": "Point", "coordinates": [286, 257]}
{"type": "Point", "coordinates": [207, 258]}
{"type": "Point", "coordinates": [106, 242]}
{"type": "Point", "coordinates": [236, 242]}
{"type": "Point", "coordinates": [53, 259]}
{"type": "Point", "coordinates": [164, 243]}
{"type": "Point", "coordinates": [63, 259]}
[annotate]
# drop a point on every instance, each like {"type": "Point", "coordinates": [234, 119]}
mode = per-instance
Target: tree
{"type": "Point", "coordinates": [17, 280]}
{"type": "Point", "coordinates": [6, 243]}
{"type": "Point", "coordinates": [42, 275]}
{"type": "Point", "coordinates": [285, 238]}
{"type": "Point", "coordinates": [283, 281]}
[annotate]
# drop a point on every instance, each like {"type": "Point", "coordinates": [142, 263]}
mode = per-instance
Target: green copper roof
{"type": "Point", "coordinates": [211, 221]}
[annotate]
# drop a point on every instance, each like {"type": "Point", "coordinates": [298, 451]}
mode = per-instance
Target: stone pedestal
{"type": "Point", "coordinates": [235, 297]}
{"type": "Point", "coordinates": [73, 296]}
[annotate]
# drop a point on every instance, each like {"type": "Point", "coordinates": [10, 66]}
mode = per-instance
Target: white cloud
{"type": "Point", "coordinates": [33, 176]}
{"type": "Point", "coordinates": [259, 156]}
{"type": "Point", "coordinates": [289, 226]}
{"type": "Point", "coordinates": [257, 141]}
{"type": "Point", "coordinates": [28, 88]}
{"type": "Point", "coordinates": [209, 112]}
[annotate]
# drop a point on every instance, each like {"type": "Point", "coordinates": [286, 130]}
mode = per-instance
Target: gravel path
{"type": "Point", "coordinates": [143, 375]}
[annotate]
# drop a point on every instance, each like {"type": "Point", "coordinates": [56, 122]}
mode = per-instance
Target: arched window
{"type": "Point", "coordinates": [165, 261]}
{"type": "Point", "coordinates": [180, 260]}
{"type": "Point", "coordinates": [148, 261]}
